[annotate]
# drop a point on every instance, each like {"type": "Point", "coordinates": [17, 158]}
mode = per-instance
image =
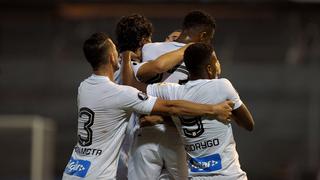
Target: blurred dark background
{"type": "Point", "coordinates": [270, 50]}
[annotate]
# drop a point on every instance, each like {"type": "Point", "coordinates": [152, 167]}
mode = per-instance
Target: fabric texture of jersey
{"type": "Point", "coordinates": [209, 144]}
{"type": "Point", "coordinates": [104, 110]}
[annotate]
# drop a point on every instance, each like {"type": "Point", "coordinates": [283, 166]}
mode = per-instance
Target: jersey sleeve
{"type": "Point", "coordinates": [134, 100]}
{"type": "Point", "coordinates": [146, 53]}
{"type": "Point", "coordinates": [166, 91]}
{"type": "Point", "coordinates": [135, 67]}
{"type": "Point", "coordinates": [230, 93]}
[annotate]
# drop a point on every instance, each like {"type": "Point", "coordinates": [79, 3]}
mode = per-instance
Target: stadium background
{"type": "Point", "coordinates": [270, 50]}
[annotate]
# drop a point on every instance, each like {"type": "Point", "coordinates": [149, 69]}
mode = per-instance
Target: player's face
{"type": "Point", "coordinates": [173, 36]}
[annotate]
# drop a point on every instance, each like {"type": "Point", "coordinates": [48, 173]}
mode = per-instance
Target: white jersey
{"type": "Point", "coordinates": [153, 149]}
{"type": "Point", "coordinates": [152, 51]}
{"type": "Point", "coordinates": [209, 144]}
{"type": "Point", "coordinates": [104, 109]}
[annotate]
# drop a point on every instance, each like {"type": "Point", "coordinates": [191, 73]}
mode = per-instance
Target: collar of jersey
{"type": "Point", "coordinates": [195, 82]}
{"type": "Point", "coordinates": [100, 77]}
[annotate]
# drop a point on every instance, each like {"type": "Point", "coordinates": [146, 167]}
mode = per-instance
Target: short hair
{"type": "Point", "coordinates": [96, 48]}
{"type": "Point", "coordinates": [197, 56]}
{"type": "Point", "coordinates": [196, 19]}
{"type": "Point", "coordinates": [130, 31]}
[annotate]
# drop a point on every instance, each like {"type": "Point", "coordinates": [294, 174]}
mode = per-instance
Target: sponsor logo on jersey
{"type": "Point", "coordinates": [77, 167]}
{"type": "Point", "coordinates": [142, 96]}
{"type": "Point", "coordinates": [205, 164]}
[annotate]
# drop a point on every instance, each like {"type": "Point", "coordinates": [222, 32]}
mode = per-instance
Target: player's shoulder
{"type": "Point", "coordinates": [166, 84]}
{"type": "Point", "coordinates": [222, 81]}
{"type": "Point", "coordinates": [214, 83]}
{"type": "Point", "coordinates": [125, 89]}
{"type": "Point", "coordinates": [163, 86]}
{"type": "Point", "coordinates": [161, 46]}
{"type": "Point", "coordinates": [153, 45]}
{"type": "Point", "coordinates": [225, 86]}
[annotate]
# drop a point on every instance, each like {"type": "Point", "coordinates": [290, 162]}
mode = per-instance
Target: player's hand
{"type": "Point", "coordinates": [223, 111]}
{"type": "Point", "coordinates": [150, 120]}
{"type": "Point", "coordinates": [126, 55]}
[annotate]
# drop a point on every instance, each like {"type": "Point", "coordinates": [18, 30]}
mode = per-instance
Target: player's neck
{"type": "Point", "coordinates": [194, 77]}
{"type": "Point", "coordinates": [107, 71]}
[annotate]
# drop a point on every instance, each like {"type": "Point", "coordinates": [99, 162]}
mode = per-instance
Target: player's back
{"type": "Point", "coordinates": [104, 108]}
{"type": "Point", "coordinates": [209, 144]}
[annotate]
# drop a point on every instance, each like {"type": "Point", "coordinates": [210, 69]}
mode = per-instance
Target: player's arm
{"type": "Point", "coordinates": [220, 111]}
{"type": "Point", "coordinates": [131, 99]}
{"type": "Point", "coordinates": [171, 91]}
{"type": "Point", "coordinates": [127, 74]}
{"type": "Point", "coordinates": [243, 117]}
{"type": "Point", "coordinates": [162, 64]}
{"type": "Point", "coordinates": [241, 114]}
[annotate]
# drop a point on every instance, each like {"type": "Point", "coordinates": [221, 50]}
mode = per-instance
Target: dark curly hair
{"type": "Point", "coordinates": [130, 31]}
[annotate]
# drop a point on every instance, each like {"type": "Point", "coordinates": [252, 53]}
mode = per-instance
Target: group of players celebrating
{"type": "Point", "coordinates": [164, 100]}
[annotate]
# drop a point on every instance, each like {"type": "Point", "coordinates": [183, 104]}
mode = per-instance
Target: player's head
{"type": "Point", "coordinates": [200, 60]}
{"type": "Point", "coordinates": [99, 50]}
{"type": "Point", "coordinates": [199, 26]}
{"type": "Point", "coordinates": [133, 32]}
{"type": "Point", "coordinates": [173, 35]}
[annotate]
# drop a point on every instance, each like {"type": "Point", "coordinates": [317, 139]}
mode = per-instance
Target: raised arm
{"type": "Point", "coordinates": [162, 64]}
{"type": "Point", "coordinates": [221, 111]}
{"type": "Point", "coordinates": [243, 117]}
{"type": "Point", "coordinates": [127, 74]}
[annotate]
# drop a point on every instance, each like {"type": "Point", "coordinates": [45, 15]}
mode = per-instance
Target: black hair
{"type": "Point", "coordinates": [96, 48]}
{"type": "Point", "coordinates": [197, 56]}
{"type": "Point", "coordinates": [130, 31]}
{"type": "Point", "coordinates": [198, 19]}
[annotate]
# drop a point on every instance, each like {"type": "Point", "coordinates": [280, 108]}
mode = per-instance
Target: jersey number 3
{"type": "Point", "coordinates": [86, 141]}
{"type": "Point", "coordinates": [192, 133]}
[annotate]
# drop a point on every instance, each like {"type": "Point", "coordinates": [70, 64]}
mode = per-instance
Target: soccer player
{"type": "Point", "coordinates": [209, 144]}
{"type": "Point", "coordinates": [153, 151]}
{"type": "Point", "coordinates": [104, 109]}
{"type": "Point", "coordinates": [132, 32]}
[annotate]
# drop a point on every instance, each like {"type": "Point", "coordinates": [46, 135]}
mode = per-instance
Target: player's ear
{"type": "Point", "coordinates": [218, 68]}
{"type": "Point", "coordinates": [210, 71]}
{"type": "Point", "coordinates": [203, 36]}
{"type": "Point", "coordinates": [111, 59]}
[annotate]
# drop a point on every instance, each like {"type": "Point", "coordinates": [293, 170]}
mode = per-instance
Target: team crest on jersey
{"type": "Point", "coordinates": [205, 164]}
{"type": "Point", "coordinates": [77, 167]}
{"type": "Point", "coordinates": [142, 96]}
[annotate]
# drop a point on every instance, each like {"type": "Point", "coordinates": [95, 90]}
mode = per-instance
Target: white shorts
{"type": "Point", "coordinates": [155, 148]}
